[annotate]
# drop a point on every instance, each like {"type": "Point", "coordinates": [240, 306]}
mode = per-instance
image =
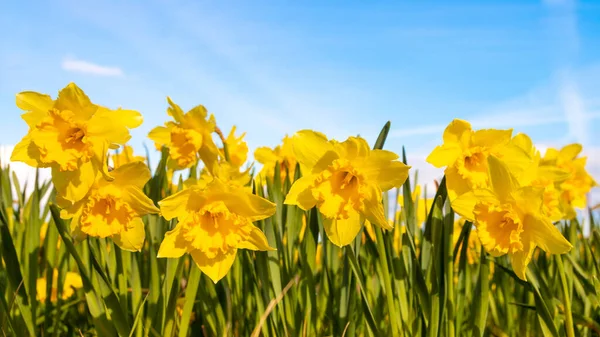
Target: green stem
{"type": "Point", "coordinates": [389, 295]}
{"type": "Point", "coordinates": [567, 299]}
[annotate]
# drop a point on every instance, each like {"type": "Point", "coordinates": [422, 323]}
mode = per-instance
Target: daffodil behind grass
{"type": "Point", "coordinates": [188, 137]}
{"type": "Point", "coordinates": [71, 135]}
{"type": "Point", "coordinates": [345, 181]}
{"type": "Point", "coordinates": [71, 283]}
{"type": "Point", "coordinates": [215, 220]}
{"type": "Point", "coordinates": [283, 155]}
{"type": "Point", "coordinates": [114, 208]}
{"type": "Point", "coordinates": [465, 152]}
{"type": "Point", "coordinates": [124, 156]}
{"type": "Point", "coordinates": [509, 218]}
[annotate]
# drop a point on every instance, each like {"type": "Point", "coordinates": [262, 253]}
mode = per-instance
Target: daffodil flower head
{"type": "Point", "coordinates": [282, 154]}
{"type": "Point", "coordinates": [465, 152]}
{"type": "Point", "coordinates": [345, 180]}
{"type": "Point", "coordinates": [236, 148]}
{"type": "Point", "coordinates": [574, 188]}
{"type": "Point", "coordinates": [509, 218]}
{"type": "Point", "coordinates": [215, 220]}
{"type": "Point", "coordinates": [125, 156]}
{"type": "Point", "coordinates": [114, 208]}
{"type": "Point", "coordinates": [545, 177]}
{"type": "Point", "coordinates": [228, 174]}
{"type": "Point", "coordinates": [188, 137]}
{"type": "Point", "coordinates": [71, 135]}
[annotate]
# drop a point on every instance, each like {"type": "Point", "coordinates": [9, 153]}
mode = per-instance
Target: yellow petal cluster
{"type": "Point", "coordinates": [125, 156]}
{"type": "Point", "coordinates": [71, 282]}
{"type": "Point", "coordinates": [576, 183]}
{"type": "Point", "coordinates": [71, 135]}
{"type": "Point", "coordinates": [214, 221]}
{"type": "Point", "coordinates": [114, 208]}
{"type": "Point", "coordinates": [509, 218]}
{"type": "Point", "coordinates": [237, 149]}
{"type": "Point", "coordinates": [188, 137]}
{"type": "Point", "coordinates": [465, 152]}
{"type": "Point", "coordinates": [282, 154]}
{"type": "Point", "coordinates": [345, 180]}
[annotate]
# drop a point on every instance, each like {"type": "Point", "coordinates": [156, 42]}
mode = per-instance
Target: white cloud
{"type": "Point", "coordinates": [85, 67]}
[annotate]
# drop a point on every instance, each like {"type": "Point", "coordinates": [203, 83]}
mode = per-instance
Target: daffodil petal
{"type": "Point", "coordinates": [216, 268]}
{"type": "Point", "coordinates": [343, 231]}
{"type": "Point", "coordinates": [72, 98]}
{"type": "Point", "coordinates": [300, 194]}
{"type": "Point", "coordinates": [256, 241]}
{"type": "Point", "coordinates": [379, 167]}
{"type": "Point", "coordinates": [131, 239]}
{"type": "Point", "coordinates": [114, 125]}
{"type": "Point", "coordinates": [247, 205]}
{"type": "Point", "coordinates": [502, 180]}
{"type": "Point", "coordinates": [132, 174]}
{"type": "Point", "coordinates": [175, 205]}
{"type": "Point", "coordinates": [570, 151]}
{"type": "Point", "coordinates": [373, 208]}
{"type": "Point", "coordinates": [160, 135]}
{"type": "Point", "coordinates": [464, 204]}
{"type": "Point", "coordinates": [309, 147]}
{"type": "Point", "coordinates": [173, 245]}
{"type": "Point", "coordinates": [74, 185]}
{"type": "Point", "coordinates": [491, 137]}
{"type": "Point", "coordinates": [136, 198]}
{"type": "Point", "coordinates": [455, 130]}
{"type": "Point", "coordinates": [546, 235]}
{"type": "Point", "coordinates": [444, 155]}
{"type": "Point", "coordinates": [520, 260]}
{"type": "Point", "coordinates": [36, 106]}
{"type": "Point", "coordinates": [27, 152]}
{"type": "Point", "coordinates": [174, 110]}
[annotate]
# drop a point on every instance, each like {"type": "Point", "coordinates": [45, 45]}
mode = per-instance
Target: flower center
{"type": "Point", "coordinates": [473, 166]}
{"type": "Point", "coordinates": [106, 214]}
{"type": "Point", "coordinates": [215, 230]}
{"type": "Point", "coordinates": [499, 227]}
{"type": "Point", "coordinates": [185, 144]}
{"type": "Point", "coordinates": [337, 190]}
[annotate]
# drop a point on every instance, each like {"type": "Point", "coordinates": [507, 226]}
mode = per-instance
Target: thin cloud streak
{"type": "Point", "coordinates": [85, 67]}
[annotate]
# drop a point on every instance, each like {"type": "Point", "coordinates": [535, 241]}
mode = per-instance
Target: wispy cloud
{"type": "Point", "coordinates": [85, 67]}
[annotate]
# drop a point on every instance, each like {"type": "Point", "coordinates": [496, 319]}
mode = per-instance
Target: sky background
{"type": "Point", "coordinates": [340, 67]}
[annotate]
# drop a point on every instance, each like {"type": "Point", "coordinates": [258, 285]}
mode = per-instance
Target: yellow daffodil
{"type": "Point", "coordinates": [215, 220]}
{"type": "Point", "coordinates": [71, 135]}
{"type": "Point", "coordinates": [509, 218]}
{"type": "Point", "coordinates": [236, 148]}
{"type": "Point", "coordinates": [422, 205]}
{"type": "Point", "coordinates": [282, 154]}
{"type": "Point", "coordinates": [546, 177]}
{"type": "Point", "coordinates": [464, 154]}
{"type": "Point", "coordinates": [345, 181]}
{"type": "Point", "coordinates": [188, 137]}
{"type": "Point", "coordinates": [228, 174]}
{"type": "Point", "coordinates": [125, 156]}
{"type": "Point", "coordinates": [71, 283]}
{"type": "Point", "coordinates": [574, 188]}
{"type": "Point", "coordinates": [114, 208]}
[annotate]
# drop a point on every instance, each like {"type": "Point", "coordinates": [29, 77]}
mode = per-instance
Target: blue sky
{"type": "Point", "coordinates": [341, 67]}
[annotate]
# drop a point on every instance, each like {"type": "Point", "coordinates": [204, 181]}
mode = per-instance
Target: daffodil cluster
{"type": "Point", "coordinates": [509, 191]}
{"type": "Point", "coordinates": [345, 181]}
{"type": "Point", "coordinates": [72, 136]}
